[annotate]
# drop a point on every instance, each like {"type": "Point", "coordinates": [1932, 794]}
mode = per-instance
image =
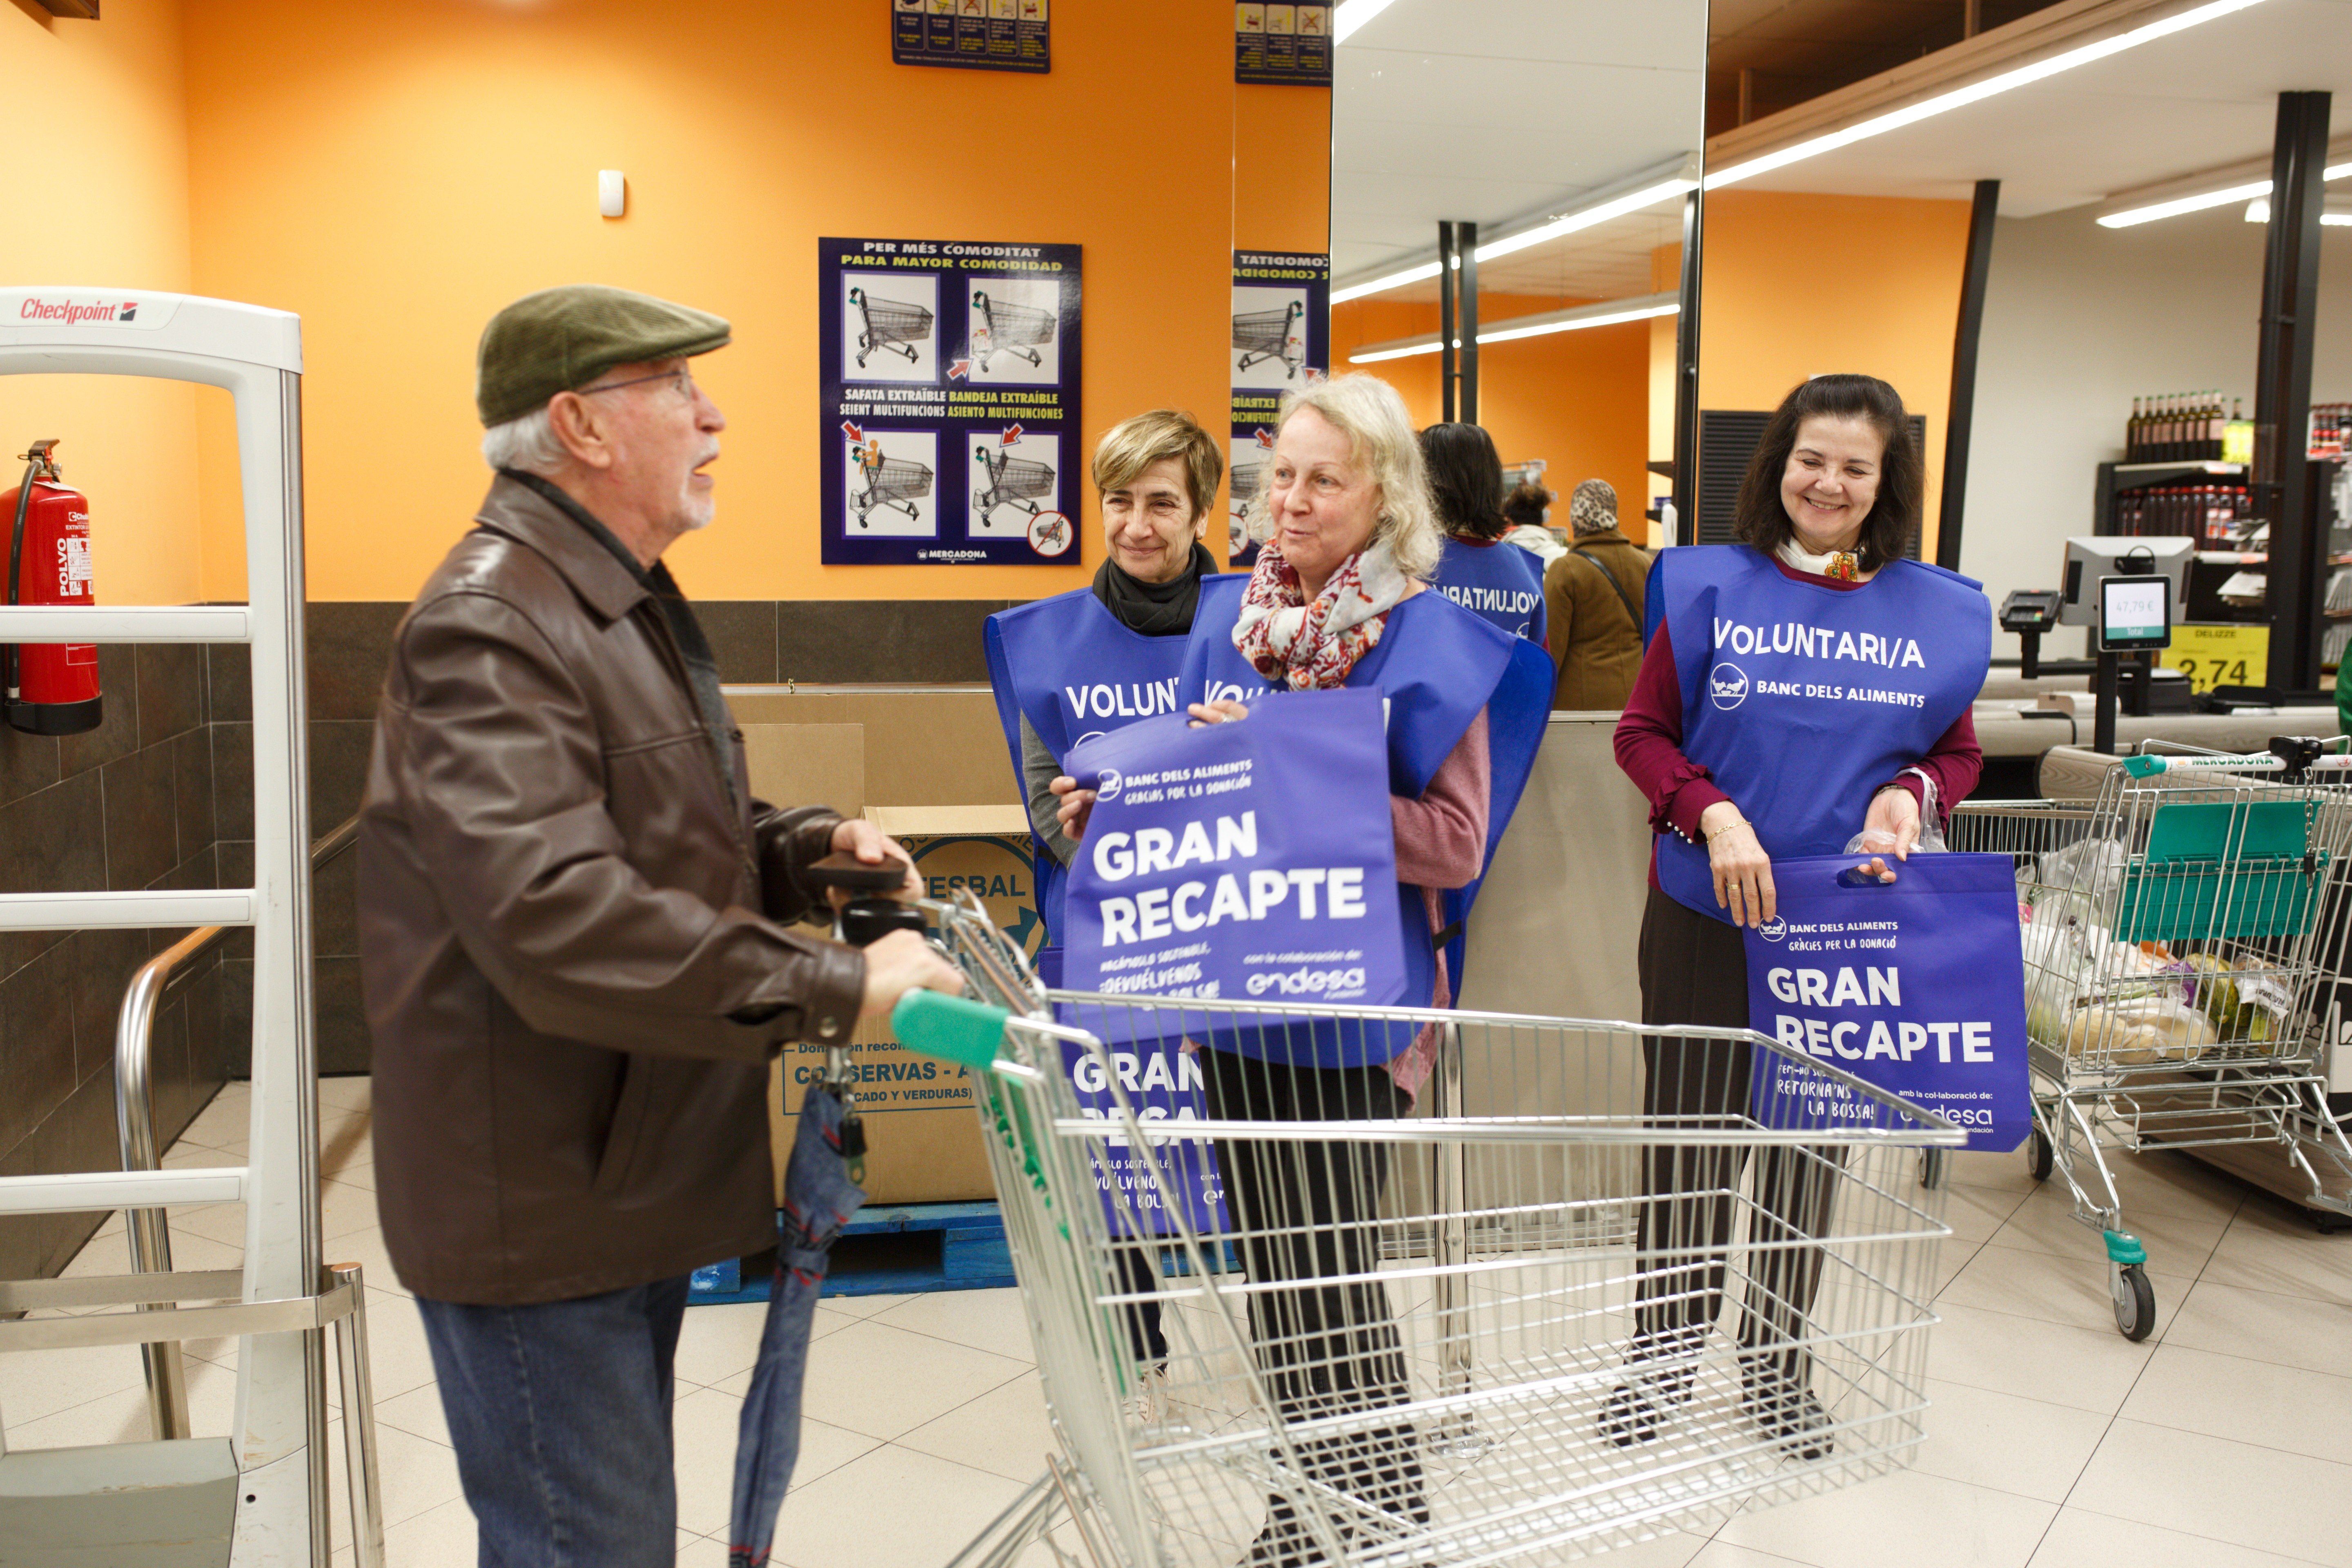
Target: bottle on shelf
{"type": "Point", "coordinates": [2132, 437]}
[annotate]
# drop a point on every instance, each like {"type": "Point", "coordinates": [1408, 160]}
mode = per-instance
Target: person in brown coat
{"type": "Point", "coordinates": [1592, 599]}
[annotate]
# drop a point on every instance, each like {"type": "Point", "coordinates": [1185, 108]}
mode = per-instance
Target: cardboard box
{"type": "Point", "coordinates": [934, 758]}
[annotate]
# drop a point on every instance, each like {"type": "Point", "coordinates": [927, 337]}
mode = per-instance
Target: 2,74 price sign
{"type": "Point", "coordinates": [2211, 656]}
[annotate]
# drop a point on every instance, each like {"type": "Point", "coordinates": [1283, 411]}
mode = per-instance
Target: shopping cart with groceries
{"type": "Point", "coordinates": [1011, 329]}
{"type": "Point", "coordinates": [890, 324]}
{"type": "Point", "coordinates": [1011, 481]}
{"type": "Point", "coordinates": [2171, 928]}
{"type": "Point", "coordinates": [1272, 335]}
{"type": "Point", "coordinates": [1440, 1372]}
{"type": "Point", "coordinates": [894, 482]}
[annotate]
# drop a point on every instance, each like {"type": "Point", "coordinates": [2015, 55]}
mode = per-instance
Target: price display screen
{"type": "Point", "coordinates": [2134, 613]}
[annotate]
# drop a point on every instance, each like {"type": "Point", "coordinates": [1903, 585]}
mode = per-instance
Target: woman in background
{"type": "Point", "coordinates": [1497, 583]}
{"type": "Point", "coordinates": [1592, 600]}
{"type": "Point", "coordinates": [1524, 509]}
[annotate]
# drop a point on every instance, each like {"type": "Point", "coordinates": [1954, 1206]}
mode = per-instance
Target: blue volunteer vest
{"type": "Point", "coordinates": [1802, 699]}
{"type": "Point", "coordinates": [1438, 665]}
{"type": "Point", "coordinates": [1067, 665]}
{"type": "Point", "coordinates": [1500, 584]}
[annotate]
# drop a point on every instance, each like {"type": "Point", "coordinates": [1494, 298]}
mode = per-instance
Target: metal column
{"type": "Point", "coordinates": [1458, 321]}
{"type": "Point", "coordinates": [1686, 491]}
{"type": "Point", "coordinates": [1960, 419]}
{"type": "Point", "coordinates": [2298, 576]}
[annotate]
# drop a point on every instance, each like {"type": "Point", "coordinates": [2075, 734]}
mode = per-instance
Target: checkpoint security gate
{"type": "Point", "coordinates": [276, 1460]}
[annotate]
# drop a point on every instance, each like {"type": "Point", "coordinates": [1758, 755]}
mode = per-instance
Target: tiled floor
{"type": "Point", "coordinates": [2225, 1441]}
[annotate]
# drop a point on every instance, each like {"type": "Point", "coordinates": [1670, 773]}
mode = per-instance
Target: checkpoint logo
{"type": "Point", "coordinates": [1727, 686]}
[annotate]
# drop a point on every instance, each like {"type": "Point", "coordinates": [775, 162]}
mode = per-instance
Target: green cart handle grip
{"type": "Point", "coordinates": [950, 1027]}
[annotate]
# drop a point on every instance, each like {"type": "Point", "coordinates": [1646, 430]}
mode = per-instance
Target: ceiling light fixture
{"type": "Point", "coordinates": [1604, 313]}
{"type": "Point", "coordinates": [1658, 184]}
{"type": "Point", "coordinates": [1977, 92]}
{"type": "Point", "coordinates": [2258, 190]}
{"type": "Point", "coordinates": [1352, 15]}
{"type": "Point", "coordinates": [2258, 211]}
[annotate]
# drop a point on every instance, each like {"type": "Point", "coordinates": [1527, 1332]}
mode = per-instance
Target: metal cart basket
{"type": "Point", "coordinates": [890, 324]}
{"type": "Point", "coordinates": [2171, 956]}
{"type": "Point", "coordinates": [1247, 479]}
{"type": "Point", "coordinates": [1442, 1391]}
{"type": "Point", "coordinates": [1011, 481]}
{"type": "Point", "coordinates": [895, 482]}
{"type": "Point", "coordinates": [1011, 329]}
{"type": "Point", "coordinates": [1272, 335]}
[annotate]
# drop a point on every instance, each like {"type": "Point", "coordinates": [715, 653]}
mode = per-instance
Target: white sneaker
{"type": "Point", "coordinates": [1142, 1406]}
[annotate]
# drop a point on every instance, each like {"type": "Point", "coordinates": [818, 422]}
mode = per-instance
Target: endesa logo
{"type": "Point", "coordinates": [1307, 981]}
{"type": "Point", "coordinates": [1727, 686]}
{"type": "Point", "coordinates": [73, 313]}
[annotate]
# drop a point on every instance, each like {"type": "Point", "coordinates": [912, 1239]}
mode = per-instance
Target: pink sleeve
{"type": "Point", "coordinates": [1649, 743]}
{"type": "Point", "coordinates": [1440, 838]}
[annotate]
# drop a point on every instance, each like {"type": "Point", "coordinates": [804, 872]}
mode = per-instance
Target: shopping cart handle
{"type": "Point", "coordinates": [950, 1027]}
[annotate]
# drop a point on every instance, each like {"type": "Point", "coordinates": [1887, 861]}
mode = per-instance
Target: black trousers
{"type": "Point", "coordinates": [1695, 972]}
{"type": "Point", "coordinates": [1309, 1211]}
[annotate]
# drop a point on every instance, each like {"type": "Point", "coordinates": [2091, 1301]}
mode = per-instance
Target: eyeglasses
{"type": "Point", "coordinates": [685, 379]}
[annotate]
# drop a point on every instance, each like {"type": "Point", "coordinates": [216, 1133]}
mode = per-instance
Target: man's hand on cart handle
{"type": "Point", "coordinates": [901, 962]}
{"type": "Point", "coordinates": [1742, 871]}
{"type": "Point", "coordinates": [858, 836]}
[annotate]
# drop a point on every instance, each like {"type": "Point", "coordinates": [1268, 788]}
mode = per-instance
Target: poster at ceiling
{"type": "Point", "coordinates": [948, 402]}
{"type": "Point", "coordinates": [1283, 45]}
{"type": "Point", "coordinates": [1282, 340]}
{"type": "Point", "coordinates": [972, 35]}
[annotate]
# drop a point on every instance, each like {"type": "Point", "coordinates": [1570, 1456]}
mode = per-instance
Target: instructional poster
{"type": "Point", "coordinates": [1283, 45]}
{"type": "Point", "coordinates": [972, 35]}
{"type": "Point", "coordinates": [948, 398]}
{"type": "Point", "coordinates": [1282, 340]}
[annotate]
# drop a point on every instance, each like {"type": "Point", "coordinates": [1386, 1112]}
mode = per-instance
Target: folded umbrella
{"type": "Point", "coordinates": [819, 1198]}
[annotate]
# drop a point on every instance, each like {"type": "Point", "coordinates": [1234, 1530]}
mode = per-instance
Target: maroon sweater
{"type": "Point", "coordinates": [1649, 743]}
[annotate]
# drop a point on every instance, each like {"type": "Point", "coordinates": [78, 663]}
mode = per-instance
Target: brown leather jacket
{"type": "Point", "coordinates": [1592, 608]}
{"type": "Point", "coordinates": [569, 934]}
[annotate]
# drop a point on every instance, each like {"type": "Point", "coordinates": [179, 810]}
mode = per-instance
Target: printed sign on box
{"type": "Point", "coordinates": [948, 402]}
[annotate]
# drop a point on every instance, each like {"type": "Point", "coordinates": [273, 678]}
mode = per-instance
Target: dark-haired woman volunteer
{"type": "Point", "coordinates": [1338, 599]}
{"type": "Point", "coordinates": [1476, 568]}
{"type": "Point", "coordinates": [1801, 687]}
{"type": "Point", "coordinates": [1100, 658]}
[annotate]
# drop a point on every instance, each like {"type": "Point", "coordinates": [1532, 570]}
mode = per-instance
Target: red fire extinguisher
{"type": "Point", "coordinates": [52, 687]}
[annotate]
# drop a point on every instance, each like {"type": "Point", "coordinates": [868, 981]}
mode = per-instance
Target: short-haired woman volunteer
{"type": "Point", "coordinates": [1098, 657]}
{"type": "Point", "coordinates": [1475, 568]}
{"type": "Point", "coordinates": [1338, 599]}
{"type": "Point", "coordinates": [1801, 687]}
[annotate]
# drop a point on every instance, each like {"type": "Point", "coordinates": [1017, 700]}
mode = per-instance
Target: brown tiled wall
{"type": "Point", "coordinates": [161, 795]}
{"type": "Point", "coordinates": [130, 806]}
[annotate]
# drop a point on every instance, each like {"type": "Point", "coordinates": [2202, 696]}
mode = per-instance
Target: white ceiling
{"type": "Point", "coordinates": [1504, 112]}
{"type": "Point", "coordinates": [2201, 98]}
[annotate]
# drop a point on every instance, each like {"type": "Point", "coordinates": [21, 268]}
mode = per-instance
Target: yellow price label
{"type": "Point", "coordinates": [2212, 656]}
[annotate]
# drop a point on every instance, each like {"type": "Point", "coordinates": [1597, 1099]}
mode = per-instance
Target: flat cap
{"type": "Point", "coordinates": [562, 339]}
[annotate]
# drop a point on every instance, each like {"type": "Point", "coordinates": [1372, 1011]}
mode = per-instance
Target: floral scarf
{"type": "Point", "coordinates": [1313, 646]}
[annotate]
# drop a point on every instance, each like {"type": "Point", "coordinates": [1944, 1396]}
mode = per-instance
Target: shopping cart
{"type": "Point", "coordinates": [1011, 481]}
{"type": "Point", "coordinates": [895, 482]}
{"type": "Point", "coordinates": [1011, 329]}
{"type": "Point", "coordinates": [1272, 335]}
{"type": "Point", "coordinates": [890, 324]}
{"type": "Point", "coordinates": [2171, 966]}
{"type": "Point", "coordinates": [1440, 1394]}
{"type": "Point", "coordinates": [1248, 478]}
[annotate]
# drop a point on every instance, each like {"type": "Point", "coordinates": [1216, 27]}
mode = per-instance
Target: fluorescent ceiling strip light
{"type": "Point", "coordinates": [1605, 313]}
{"type": "Point", "coordinates": [1977, 92]}
{"type": "Point", "coordinates": [1352, 15]}
{"type": "Point", "coordinates": [2258, 190]}
{"type": "Point", "coordinates": [2258, 211]}
{"type": "Point", "coordinates": [1382, 285]}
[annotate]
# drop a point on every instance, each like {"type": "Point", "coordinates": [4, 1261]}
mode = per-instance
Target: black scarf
{"type": "Point", "coordinates": [1155, 610]}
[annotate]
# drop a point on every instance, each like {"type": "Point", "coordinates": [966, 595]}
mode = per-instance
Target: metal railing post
{"type": "Point", "coordinates": [1457, 1437]}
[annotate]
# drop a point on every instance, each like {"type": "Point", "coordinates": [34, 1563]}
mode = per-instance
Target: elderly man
{"type": "Point", "coordinates": [573, 934]}
{"type": "Point", "coordinates": [1592, 598]}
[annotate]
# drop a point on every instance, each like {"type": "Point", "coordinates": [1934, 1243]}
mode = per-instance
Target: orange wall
{"type": "Point", "coordinates": [1578, 400]}
{"type": "Point", "coordinates": [1795, 285]}
{"type": "Point", "coordinates": [101, 199]}
{"type": "Point", "coordinates": [397, 173]}
{"type": "Point", "coordinates": [1282, 168]}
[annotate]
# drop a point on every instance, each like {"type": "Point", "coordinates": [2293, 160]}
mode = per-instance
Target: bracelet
{"type": "Point", "coordinates": [1727, 828]}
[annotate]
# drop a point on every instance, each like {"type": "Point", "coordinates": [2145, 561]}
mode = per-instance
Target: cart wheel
{"type": "Point", "coordinates": [2135, 1302]}
{"type": "Point", "coordinates": [2039, 1158]}
{"type": "Point", "coordinates": [1931, 1168]}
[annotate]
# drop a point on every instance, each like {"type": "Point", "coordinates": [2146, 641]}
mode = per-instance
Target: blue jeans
{"type": "Point", "coordinates": [561, 1416]}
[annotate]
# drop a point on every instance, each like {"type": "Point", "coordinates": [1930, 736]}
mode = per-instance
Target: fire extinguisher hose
{"type": "Point", "coordinates": [36, 460]}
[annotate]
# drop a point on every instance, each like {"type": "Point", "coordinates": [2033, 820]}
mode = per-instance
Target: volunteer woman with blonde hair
{"type": "Point", "coordinates": [1802, 687]}
{"type": "Point", "coordinates": [1348, 537]}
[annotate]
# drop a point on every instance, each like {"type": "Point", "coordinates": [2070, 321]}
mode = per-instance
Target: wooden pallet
{"type": "Point", "coordinates": [888, 1249]}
